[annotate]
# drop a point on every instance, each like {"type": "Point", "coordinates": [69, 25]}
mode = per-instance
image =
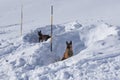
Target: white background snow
{"type": "Point", "coordinates": [92, 25]}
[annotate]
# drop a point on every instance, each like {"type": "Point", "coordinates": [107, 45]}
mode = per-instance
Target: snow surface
{"type": "Point", "coordinates": [96, 53]}
{"type": "Point", "coordinates": [88, 23]}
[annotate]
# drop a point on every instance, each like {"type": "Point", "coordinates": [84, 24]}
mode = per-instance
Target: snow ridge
{"type": "Point", "coordinates": [96, 54]}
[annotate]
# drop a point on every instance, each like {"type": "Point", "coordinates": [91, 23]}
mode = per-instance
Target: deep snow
{"type": "Point", "coordinates": [96, 54]}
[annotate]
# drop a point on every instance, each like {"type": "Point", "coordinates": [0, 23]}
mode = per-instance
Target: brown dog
{"type": "Point", "coordinates": [68, 52]}
{"type": "Point", "coordinates": [43, 37]}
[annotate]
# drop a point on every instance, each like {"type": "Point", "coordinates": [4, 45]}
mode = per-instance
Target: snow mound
{"type": "Point", "coordinates": [94, 33]}
{"type": "Point", "coordinates": [72, 26]}
{"type": "Point", "coordinates": [96, 52]}
{"type": "Point", "coordinates": [60, 36]}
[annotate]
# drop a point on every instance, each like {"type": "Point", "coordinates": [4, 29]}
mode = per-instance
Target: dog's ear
{"type": "Point", "coordinates": [66, 42]}
{"type": "Point", "coordinates": [70, 42]}
{"type": "Point", "coordinates": [39, 32]}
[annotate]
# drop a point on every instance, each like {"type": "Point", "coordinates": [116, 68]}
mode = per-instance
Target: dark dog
{"type": "Point", "coordinates": [68, 52]}
{"type": "Point", "coordinates": [43, 37]}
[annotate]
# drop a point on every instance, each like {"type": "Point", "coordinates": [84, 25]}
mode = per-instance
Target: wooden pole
{"type": "Point", "coordinates": [21, 19]}
{"type": "Point", "coordinates": [51, 24]}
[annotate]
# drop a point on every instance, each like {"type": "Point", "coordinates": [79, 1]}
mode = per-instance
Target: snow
{"type": "Point", "coordinates": [95, 33]}
{"type": "Point", "coordinates": [95, 37]}
{"type": "Point", "coordinates": [96, 54]}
